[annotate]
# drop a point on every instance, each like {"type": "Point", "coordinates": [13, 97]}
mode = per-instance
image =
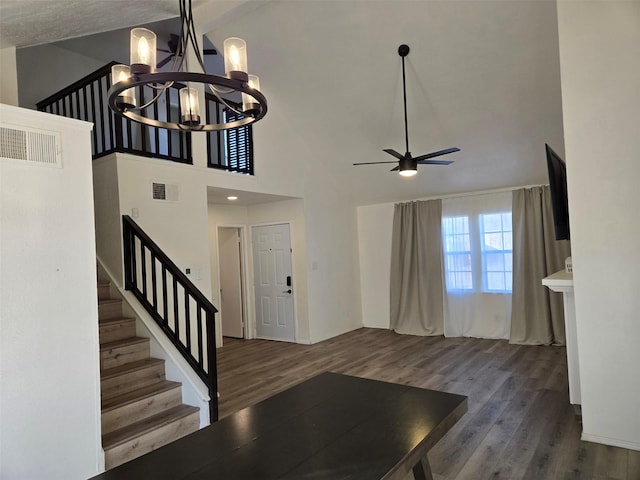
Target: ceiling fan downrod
{"type": "Point", "coordinates": [403, 51]}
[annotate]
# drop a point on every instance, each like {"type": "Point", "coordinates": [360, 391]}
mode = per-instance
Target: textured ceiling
{"type": "Point", "coordinates": [482, 75]}
{"type": "Point", "coordinates": [34, 22]}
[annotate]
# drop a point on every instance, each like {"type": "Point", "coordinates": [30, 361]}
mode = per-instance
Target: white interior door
{"type": "Point", "coordinates": [273, 283]}
{"type": "Point", "coordinates": [231, 311]}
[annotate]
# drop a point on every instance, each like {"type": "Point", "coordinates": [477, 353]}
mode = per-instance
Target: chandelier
{"type": "Point", "coordinates": [126, 79]}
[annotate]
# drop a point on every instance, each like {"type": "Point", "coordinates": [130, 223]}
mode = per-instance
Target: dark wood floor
{"type": "Point", "coordinates": [520, 424]}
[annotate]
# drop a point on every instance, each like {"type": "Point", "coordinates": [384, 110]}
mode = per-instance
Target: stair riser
{"type": "Point", "coordinates": [118, 331]}
{"type": "Point", "coordinates": [152, 440]}
{"type": "Point", "coordinates": [127, 382]}
{"type": "Point", "coordinates": [104, 292]}
{"type": "Point", "coordinates": [109, 310]}
{"type": "Point", "coordinates": [127, 414]}
{"type": "Point", "coordinates": [117, 356]}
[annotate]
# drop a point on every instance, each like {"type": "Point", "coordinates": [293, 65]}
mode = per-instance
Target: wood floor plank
{"type": "Point", "coordinates": [520, 425]}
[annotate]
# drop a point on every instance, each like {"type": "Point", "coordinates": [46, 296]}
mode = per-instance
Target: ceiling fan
{"type": "Point", "coordinates": [407, 165]}
{"type": "Point", "coordinates": [175, 50]}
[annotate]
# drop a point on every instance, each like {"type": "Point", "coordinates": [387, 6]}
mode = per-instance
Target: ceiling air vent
{"type": "Point", "coordinates": [28, 145]}
{"type": "Point", "coordinates": [167, 192]}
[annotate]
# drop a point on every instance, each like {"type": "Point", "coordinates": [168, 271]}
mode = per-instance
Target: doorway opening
{"type": "Point", "coordinates": [231, 282]}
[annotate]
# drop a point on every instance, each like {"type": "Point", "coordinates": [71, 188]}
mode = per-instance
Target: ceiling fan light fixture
{"type": "Point", "coordinates": [410, 172]}
{"type": "Point", "coordinates": [407, 164]}
{"type": "Point", "coordinates": [142, 74]}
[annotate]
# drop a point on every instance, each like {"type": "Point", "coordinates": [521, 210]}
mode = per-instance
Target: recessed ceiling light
{"type": "Point", "coordinates": [232, 197]}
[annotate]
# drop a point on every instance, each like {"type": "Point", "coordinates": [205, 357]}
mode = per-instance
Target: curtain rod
{"type": "Point", "coordinates": [473, 194]}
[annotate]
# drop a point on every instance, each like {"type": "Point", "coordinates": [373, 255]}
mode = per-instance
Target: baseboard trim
{"type": "Point", "coordinates": [614, 442]}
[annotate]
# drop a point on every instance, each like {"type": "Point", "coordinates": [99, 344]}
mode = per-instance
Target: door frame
{"type": "Point", "coordinates": [248, 330]}
{"type": "Point", "coordinates": [294, 279]}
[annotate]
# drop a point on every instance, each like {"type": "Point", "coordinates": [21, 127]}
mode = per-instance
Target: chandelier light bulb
{"type": "Point", "coordinates": [189, 107]}
{"type": "Point", "coordinates": [235, 58]}
{"type": "Point", "coordinates": [143, 51]}
{"type": "Point", "coordinates": [249, 105]}
{"type": "Point", "coordinates": [120, 73]}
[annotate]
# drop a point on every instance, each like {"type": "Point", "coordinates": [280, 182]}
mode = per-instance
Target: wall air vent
{"type": "Point", "coordinates": [27, 145]}
{"type": "Point", "coordinates": [166, 192]}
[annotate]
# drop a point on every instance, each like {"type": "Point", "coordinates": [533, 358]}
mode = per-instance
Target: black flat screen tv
{"type": "Point", "coordinates": [558, 187]}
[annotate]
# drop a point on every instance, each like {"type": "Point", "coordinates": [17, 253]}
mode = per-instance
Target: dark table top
{"type": "Point", "coordinates": [331, 426]}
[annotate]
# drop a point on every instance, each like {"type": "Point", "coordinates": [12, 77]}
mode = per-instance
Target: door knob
{"type": "Point", "coordinates": [287, 291]}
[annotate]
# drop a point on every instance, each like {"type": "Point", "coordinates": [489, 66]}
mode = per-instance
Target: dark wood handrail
{"type": "Point", "coordinates": [135, 239]}
{"type": "Point", "coordinates": [75, 86]}
{"type": "Point", "coordinates": [86, 99]}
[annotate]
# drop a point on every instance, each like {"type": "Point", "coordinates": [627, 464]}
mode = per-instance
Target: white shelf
{"type": "Point", "coordinates": [561, 281]}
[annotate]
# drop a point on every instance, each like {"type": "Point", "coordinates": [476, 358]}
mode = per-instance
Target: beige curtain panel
{"type": "Point", "coordinates": [417, 280]}
{"type": "Point", "coordinates": [537, 316]}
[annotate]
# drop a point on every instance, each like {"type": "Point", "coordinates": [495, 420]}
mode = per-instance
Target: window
{"type": "Point", "coordinates": [232, 149]}
{"type": "Point", "coordinates": [238, 145]}
{"type": "Point", "coordinates": [457, 253]}
{"type": "Point", "coordinates": [497, 252]}
{"type": "Point", "coordinates": [478, 252]}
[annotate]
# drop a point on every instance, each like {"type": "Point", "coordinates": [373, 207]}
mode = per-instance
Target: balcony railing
{"type": "Point", "coordinates": [87, 99]}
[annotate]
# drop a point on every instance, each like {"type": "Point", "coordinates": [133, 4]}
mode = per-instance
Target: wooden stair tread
{"type": "Point", "coordinates": [108, 321]}
{"type": "Point", "coordinates": [138, 394]}
{"type": "Point", "coordinates": [105, 301]}
{"type": "Point", "coordinates": [129, 367]}
{"type": "Point", "coordinates": [123, 435]}
{"type": "Point", "coordinates": [123, 342]}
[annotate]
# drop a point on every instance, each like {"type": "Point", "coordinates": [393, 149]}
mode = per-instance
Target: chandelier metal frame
{"type": "Point", "coordinates": [218, 85]}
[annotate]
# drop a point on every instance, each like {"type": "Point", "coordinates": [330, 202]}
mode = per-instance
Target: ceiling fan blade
{"type": "Point", "coordinates": [437, 154]}
{"type": "Point", "coordinates": [435, 162]}
{"type": "Point", "coordinates": [164, 61]}
{"type": "Point", "coordinates": [373, 163]}
{"type": "Point", "coordinates": [395, 169]}
{"type": "Point", "coordinates": [394, 153]}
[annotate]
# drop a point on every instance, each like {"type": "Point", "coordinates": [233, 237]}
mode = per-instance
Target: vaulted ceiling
{"type": "Point", "coordinates": [482, 75]}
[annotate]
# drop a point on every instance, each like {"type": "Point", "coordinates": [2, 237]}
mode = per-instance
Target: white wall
{"type": "Point", "coordinates": [49, 365]}
{"type": "Point", "coordinates": [179, 227]}
{"type": "Point", "coordinates": [8, 76]}
{"type": "Point", "coordinates": [375, 226]}
{"type": "Point", "coordinates": [62, 67]}
{"type": "Point", "coordinates": [107, 216]}
{"type": "Point", "coordinates": [599, 52]}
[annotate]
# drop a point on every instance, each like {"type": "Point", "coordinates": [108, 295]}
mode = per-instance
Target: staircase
{"type": "Point", "coordinates": [141, 410]}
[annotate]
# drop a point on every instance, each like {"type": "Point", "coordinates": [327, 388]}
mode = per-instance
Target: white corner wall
{"type": "Point", "coordinates": [599, 52]}
{"type": "Point", "coordinates": [49, 365]}
{"type": "Point", "coordinates": [375, 227]}
{"type": "Point", "coordinates": [8, 76]}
